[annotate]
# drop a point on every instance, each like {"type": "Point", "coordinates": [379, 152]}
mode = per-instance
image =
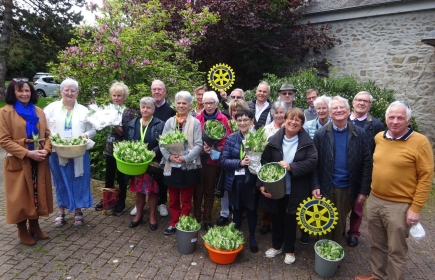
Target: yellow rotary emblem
{"type": "Point", "coordinates": [221, 77]}
{"type": "Point", "coordinates": [317, 216]}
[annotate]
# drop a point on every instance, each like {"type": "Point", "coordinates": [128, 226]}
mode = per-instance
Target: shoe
{"type": "Point", "coordinates": [153, 227]}
{"type": "Point", "coordinates": [352, 241]}
{"type": "Point", "coordinates": [207, 226]}
{"type": "Point", "coordinates": [271, 253]}
{"type": "Point", "coordinates": [264, 229]}
{"type": "Point", "coordinates": [35, 230]}
{"type": "Point", "coordinates": [133, 212]}
{"type": "Point", "coordinates": [59, 221]}
{"type": "Point", "coordinates": [119, 209]}
{"type": "Point", "coordinates": [23, 234]}
{"type": "Point", "coordinates": [78, 219]}
{"type": "Point", "coordinates": [170, 230]}
{"type": "Point", "coordinates": [365, 277]}
{"type": "Point", "coordinates": [289, 259]}
{"type": "Point", "coordinates": [221, 221]}
{"type": "Point", "coordinates": [253, 248]}
{"type": "Point", "coordinates": [305, 237]}
{"type": "Point", "coordinates": [162, 210]}
{"type": "Point", "coordinates": [134, 224]}
{"type": "Point", "coordinates": [99, 206]}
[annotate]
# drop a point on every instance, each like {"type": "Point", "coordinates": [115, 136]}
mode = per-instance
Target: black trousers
{"type": "Point", "coordinates": [284, 227]}
{"type": "Point", "coordinates": [121, 178]}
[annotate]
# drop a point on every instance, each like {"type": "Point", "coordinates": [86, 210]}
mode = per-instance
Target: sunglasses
{"type": "Point", "coordinates": [287, 93]}
{"type": "Point", "coordinates": [236, 97]}
{"type": "Point", "coordinates": [25, 80]}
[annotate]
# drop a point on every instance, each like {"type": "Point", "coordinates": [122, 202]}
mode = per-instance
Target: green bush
{"type": "Point", "coordinates": [98, 155]}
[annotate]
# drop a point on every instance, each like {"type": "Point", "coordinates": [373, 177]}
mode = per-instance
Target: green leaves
{"type": "Point", "coordinates": [133, 151]}
{"type": "Point", "coordinates": [188, 223]}
{"type": "Point", "coordinates": [329, 250]}
{"type": "Point", "coordinates": [215, 129]}
{"type": "Point", "coordinates": [256, 141]}
{"type": "Point", "coordinates": [226, 238]}
{"type": "Point", "coordinates": [233, 125]}
{"type": "Point", "coordinates": [172, 137]}
{"type": "Point", "coordinates": [271, 172]}
{"type": "Point", "coordinates": [56, 139]}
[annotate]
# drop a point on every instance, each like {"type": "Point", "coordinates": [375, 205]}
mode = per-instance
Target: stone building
{"type": "Point", "coordinates": [381, 41]}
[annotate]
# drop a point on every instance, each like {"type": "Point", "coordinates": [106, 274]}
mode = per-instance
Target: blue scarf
{"type": "Point", "coordinates": [212, 117]}
{"type": "Point", "coordinates": [29, 115]}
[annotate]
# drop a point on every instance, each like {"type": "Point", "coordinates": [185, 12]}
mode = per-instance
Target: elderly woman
{"type": "Point", "coordinates": [321, 105]}
{"type": "Point", "coordinates": [198, 92]}
{"type": "Point", "coordinates": [239, 182]}
{"type": "Point", "coordinates": [294, 150]}
{"type": "Point", "coordinates": [278, 113]}
{"type": "Point", "coordinates": [146, 129]}
{"type": "Point", "coordinates": [27, 180]}
{"type": "Point", "coordinates": [71, 177]}
{"type": "Point", "coordinates": [118, 93]}
{"type": "Point", "coordinates": [211, 164]}
{"type": "Point", "coordinates": [181, 181]}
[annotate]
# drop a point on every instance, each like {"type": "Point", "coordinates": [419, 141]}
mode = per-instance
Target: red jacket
{"type": "Point", "coordinates": [220, 117]}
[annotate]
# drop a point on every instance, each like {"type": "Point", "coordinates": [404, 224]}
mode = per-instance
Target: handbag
{"type": "Point", "coordinates": [220, 186]}
{"type": "Point", "coordinates": [110, 198]}
{"type": "Point", "coordinates": [154, 169]}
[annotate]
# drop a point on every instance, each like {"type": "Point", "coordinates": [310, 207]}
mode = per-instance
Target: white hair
{"type": "Point", "coordinates": [339, 98]}
{"type": "Point", "coordinates": [210, 94]}
{"type": "Point", "coordinates": [185, 95]}
{"type": "Point", "coordinates": [322, 99]}
{"type": "Point", "coordinates": [400, 104]}
{"type": "Point", "coordinates": [69, 82]}
{"type": "Point", "coordinates": [364, 92]}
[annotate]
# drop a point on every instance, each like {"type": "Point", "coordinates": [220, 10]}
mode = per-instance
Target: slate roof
{"type": "Point", "coordinates": [319, 6]}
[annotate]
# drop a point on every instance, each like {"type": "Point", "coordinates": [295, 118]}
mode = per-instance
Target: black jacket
{"type": "Point", "coordinates": [372, 126]}
{"type": "Point", "coordinates": [301, 169]}
{"type": "Point", "coordinates": [263, 117]}
{"type": "Point", "coordinates": [359, 160]}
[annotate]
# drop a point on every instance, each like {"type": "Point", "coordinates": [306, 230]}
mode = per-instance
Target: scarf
{"type": "Point", "coordinates": [212, 117]}
{"type": "Point", "coordinates": [29, 115]}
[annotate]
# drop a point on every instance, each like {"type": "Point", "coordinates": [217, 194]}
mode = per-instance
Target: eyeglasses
{"type": "Point", "coordinates": [236, 97]}
{"type": "Point", "coordinates": [69, 91]}
{"type": "Point", "coordinates": [243, 120]}
{"type": "Point", "coordinates": [24, 80]}
{"type": "Point", "coordinates": [157, 89]}
{"type": "Point", "coordinates": [362, 100]}
{"type": "Point", "coordinates": [338, 108]}
{"type": "Point", "coordinates": [287, 93]}
{"type": "Point", "coordinates": [209, 103]}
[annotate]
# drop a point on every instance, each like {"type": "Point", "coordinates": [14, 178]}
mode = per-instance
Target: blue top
{"type": "Point", "coordinates": [289, 147]}
{"type": "Point", "coordinates": [340, 175]}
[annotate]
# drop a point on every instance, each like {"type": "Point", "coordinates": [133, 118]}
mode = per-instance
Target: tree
{"type": "Point", "coordinates": [32, 33]}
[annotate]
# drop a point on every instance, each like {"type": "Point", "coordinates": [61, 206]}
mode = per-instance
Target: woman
{"type": "Point", "coordinates": [181, 182]}
{"type": "Point", "coordinates": [321, 105]}
{"type": "Point", "coordinates": [146, 129]}
{"type": "Point", "coordinates": [236, 105]}
{"type": "Point", "coordinates": [27, 179]}
{"type": "Point", "coordinates": [211, 165]}
{"type": "Point", "coordinates": [199, 92]}
{"type": "Point", "coordinates": [71, 177]}
{"type": "Point", "coordinates": [294, 150]}
{"type": "Point", "coordinates": [240, 183]}
{"type": "Point", "coordinates": [118, 93]}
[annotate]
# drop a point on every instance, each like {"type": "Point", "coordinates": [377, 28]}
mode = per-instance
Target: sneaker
{"type": "Point", "coordinates": [271, 253]}
{"type": "Point", "coordinates": [289, 259]}
{"type": "Point", "coordinates": [99, 206]}
{"type": "Point", "coordinates": [133, 212]}
{"type": "Point", "coordinates": [170, 230]}
{"type": "Point", "coordinates": [119, 209]}
{"type": "Point", "coordinates": [305, 237]}
{"type": "Point", "coordinates": [162, 210]}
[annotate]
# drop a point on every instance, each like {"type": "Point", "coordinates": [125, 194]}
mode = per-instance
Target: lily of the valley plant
{"type": "Point", "coordinates": [57, 140]}
{"type": "Point", "coordinates": [226, 238]}
{"type": "Point", "coordinates": [172, 137]}
{"type": "Point", "coordinates": [256, 141]}
{"type": "Point", "coordinates": [188, 223]}
{"type": "Point", "coordinates": [215, 129]}
{"type": "Point", "coordinates": [271, 172]}
{"type": "Point", "coordinates": [133, 151]}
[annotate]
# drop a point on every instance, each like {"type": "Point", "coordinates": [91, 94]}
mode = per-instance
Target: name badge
{"type": "Point", "coordinates": [240, 171]}
{"type": "Point", "coordinates": [67, 133]}
{"type": "Point", "coordinates": [110, 139]}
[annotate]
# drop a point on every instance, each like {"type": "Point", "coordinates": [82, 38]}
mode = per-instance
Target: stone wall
{"type": "Point", "coordinates": [388, 50]}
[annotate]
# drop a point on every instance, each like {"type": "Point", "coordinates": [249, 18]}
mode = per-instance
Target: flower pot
{"type": "Point", "coordinates": [186, 241]}
{"type": "Point", "coordinates": [131, 168]}
{"type": "Point", "coordinates": [222, 257]}
{"type": "Point", "coordinates": [275, 188]}
{"type": "Point", "coordinates": [70, 151]}
{"type": "Point", "coordinates": [323, 267]}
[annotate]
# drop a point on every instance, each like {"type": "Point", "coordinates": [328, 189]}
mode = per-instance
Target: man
{"type": "Point", "coordinates": [163, 112]}
{"type": "Point", "coordinates": [344, 167]}
{"type": "Point", "coordinates": [287, 94]}
{"type": "Point", "coordinates": [237, 93]}
{"type": "Point", "coordinates": [310, 96]}
{"type": "Point", "coordinates": [261, 105]}
{"type": "Point", "coordinates": [402, 178]}
{"type": "Point", "coordinates": [362, 102]}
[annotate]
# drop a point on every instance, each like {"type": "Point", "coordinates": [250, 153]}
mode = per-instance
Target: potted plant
{"type": "Point", "coordinates": [328, 255]}
{"type": "Point", "coordinates": [68, 147]}
{"type": "Point", "coordinates": [223, 243]}
{"type": "Point", "coordinates": [273, 178]}
{"type": "Point", "coordinates": [187, 234]}
{"type": "Point", "coordinates": [214, 131]}
{"type": "Point", "coordinates": [132, 157]}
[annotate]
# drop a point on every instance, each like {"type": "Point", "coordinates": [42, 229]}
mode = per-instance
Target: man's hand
{"type": "Point", "coordinates": [412, 217]}
{"type": "Point", "coordinates": [361, 198]}
{"type": "Point", "coordinates": [316, 193]}
{"type": "Point", "coordinates": [223, 94]}
{"type": "Point", "coordinates": [264, 192]}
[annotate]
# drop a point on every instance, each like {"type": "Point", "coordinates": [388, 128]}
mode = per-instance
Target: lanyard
{"type": "Point", "coordinates": [242, 152]}
{"type": "Point", "coordinates": [68, 118]}
{"type": "Point", "coordinates": [144, 132]}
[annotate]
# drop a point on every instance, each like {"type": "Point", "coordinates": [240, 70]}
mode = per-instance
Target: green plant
{"type": "Point", "coordinates": [271, 172]}
{"type": "Point", "coordinates": [226, 238]}
{"type": "Point", "coordinates": [329, 250]}
{"type": "Point", "coordinates": [98, 155]}
{"type": "Point", "coordinates": [133, 151]}
{"type": "Point", "coordinates": [233, 125]}
{"type": "Point", "coordinates": [172, 137]}
{"type": "Point", "coordinates": [214, 129]}
{"type": "Point", "coordinates": [56, 139]}
{"type": "Point", "coordinates": [256, 141]}
{"type": "Point", "coordinates": [188, 223]}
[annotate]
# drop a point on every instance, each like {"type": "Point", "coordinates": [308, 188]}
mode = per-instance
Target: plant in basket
{"type": "Point", "coordinates": [132, 157]}
{"type": "Point", "coordinates": [223, 243]}
{"type": "Point", "coordinates": [187, 234]}
{"type": "Point", "coordinates": [214, 131]}
{"type": "Point", "coordinates": [188, 223]}
{"type": "Point", "coordinates": [254, 143]}
{"type": "Point", "coordinates": [69, 147]}
{"type": "Point", "coordinates": [271, 173]}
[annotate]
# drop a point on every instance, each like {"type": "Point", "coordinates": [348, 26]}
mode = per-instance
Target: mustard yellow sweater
{"type": "Point", "coordinates": [403, 169]}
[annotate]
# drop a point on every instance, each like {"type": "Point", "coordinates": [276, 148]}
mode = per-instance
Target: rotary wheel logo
{"type": "Point", "coordinates": [317, 216]}
{"type": "Point", "coordinates": [221, 77]}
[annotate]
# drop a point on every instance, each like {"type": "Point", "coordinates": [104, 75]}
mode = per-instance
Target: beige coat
{"type": "Point", "coordinates": [17, 172]}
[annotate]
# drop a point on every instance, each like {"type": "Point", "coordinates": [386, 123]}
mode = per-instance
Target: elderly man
{"type": "Point", "coordinates": [402, 178]}
{"type": "Point", "coordinates": [237, 93]}
{"type": "Point", "coordinates": [310, 96]}
{"type": "Point", "coordinates": [287, 94]}
{"type": "Point", "coordinates": [344, 167]}
{"type": "Point", "coordinates": [261, 105]}
{"type": "Point", "coordinates": [362, 102]}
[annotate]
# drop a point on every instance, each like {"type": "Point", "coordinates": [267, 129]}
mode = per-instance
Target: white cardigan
{"type": "Point", "coordinates": [56, 123]}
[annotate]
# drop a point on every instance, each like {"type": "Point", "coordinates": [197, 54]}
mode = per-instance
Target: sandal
{"type": "Point", "coordinates": [78, 218]}
{"type": "Point", "coordinates": [59, 221]}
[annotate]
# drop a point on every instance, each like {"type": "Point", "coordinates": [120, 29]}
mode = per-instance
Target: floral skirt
{"type": "Point", "coordinates": [144, 184]}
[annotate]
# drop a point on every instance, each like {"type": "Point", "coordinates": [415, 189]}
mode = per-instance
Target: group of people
{"type": "Point", "coordinates": [327, 149]}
